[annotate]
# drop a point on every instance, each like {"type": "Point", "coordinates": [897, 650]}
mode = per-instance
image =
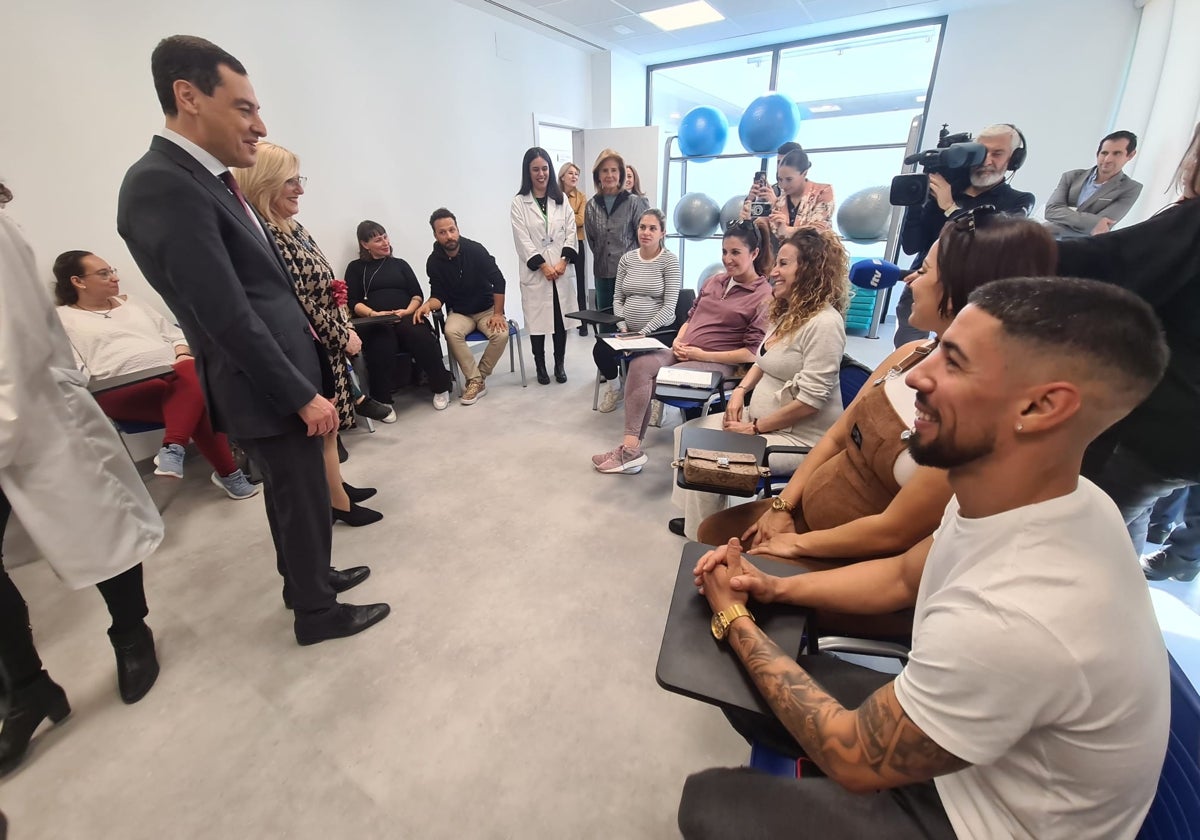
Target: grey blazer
{"type": "Point", "coordinates": [256, 356]}
{"type": "Point", "coordinates": [1112, 201]}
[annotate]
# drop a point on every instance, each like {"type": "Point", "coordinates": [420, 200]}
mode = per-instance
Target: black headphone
{"type": "Point", "coordinates": [1020, 153]}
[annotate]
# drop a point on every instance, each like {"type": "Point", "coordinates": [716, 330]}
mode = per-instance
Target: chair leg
{"type": "Point", "coordinates": [515, 335]}
{"type": "Point", "coordinates": [596, 393]}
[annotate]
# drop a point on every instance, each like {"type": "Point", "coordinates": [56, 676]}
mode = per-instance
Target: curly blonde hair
{"type": "Point", "coordinates": [823, 279]}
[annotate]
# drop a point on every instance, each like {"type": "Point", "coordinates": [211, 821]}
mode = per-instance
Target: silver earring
{"type": "Point", "coordinates": [1020, 428]}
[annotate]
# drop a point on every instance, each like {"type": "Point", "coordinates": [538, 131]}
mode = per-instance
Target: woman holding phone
{"type": "Point", "coordinates": [644, 298]}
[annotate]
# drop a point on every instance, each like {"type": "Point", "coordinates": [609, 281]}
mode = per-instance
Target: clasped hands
{"type": "Point", "coordinates": [688, 353]}
{"type": "Point", "coordinates": [553, 272]}
{"type": "Point", "coordinates": [724, 577]}
{"type": "Point", "coordinates": [732, 421]}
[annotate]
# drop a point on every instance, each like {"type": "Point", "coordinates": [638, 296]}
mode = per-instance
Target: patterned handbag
{"type": "Point", "coordinates": [735, 471]}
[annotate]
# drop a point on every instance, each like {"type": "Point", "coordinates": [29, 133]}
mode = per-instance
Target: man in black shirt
{"type": "Point", "coordinates": [464, 278]}
{"type": "Point", "coordinates": [923, 225]}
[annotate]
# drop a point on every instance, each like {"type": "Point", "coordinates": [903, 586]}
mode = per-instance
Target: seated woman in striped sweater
{"type": "Point", "coordinates": [644, 299]}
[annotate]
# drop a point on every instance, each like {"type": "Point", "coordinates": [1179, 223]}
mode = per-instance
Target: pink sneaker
{"type": "Point", "coordinates": [597, 460]}
{"type": "Point", "coordinates": [624, 462]}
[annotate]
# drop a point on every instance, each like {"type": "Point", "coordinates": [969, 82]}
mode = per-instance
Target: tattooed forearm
{"type": "Point", "coordinates": [876, 746]}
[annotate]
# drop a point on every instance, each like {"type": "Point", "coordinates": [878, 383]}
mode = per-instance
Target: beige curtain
{"type": "Point", "coordinates": [1161, 99]}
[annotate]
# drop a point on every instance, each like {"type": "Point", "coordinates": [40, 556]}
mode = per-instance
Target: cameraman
{"type": "Point", "coordinates": [987, 185]}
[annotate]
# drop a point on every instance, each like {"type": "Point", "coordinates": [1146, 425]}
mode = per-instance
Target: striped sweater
{"type": "Point", "coordinates": [646, 291]}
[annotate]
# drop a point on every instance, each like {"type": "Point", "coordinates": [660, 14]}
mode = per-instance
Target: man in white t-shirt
{"type": "Point", "coordinates": [1036, 694]}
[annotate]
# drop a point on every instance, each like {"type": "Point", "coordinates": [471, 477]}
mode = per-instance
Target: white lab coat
{"type": "Point", "coordinates": [62, 466]}
{"type": "Point", "coordinates": [547, 235]}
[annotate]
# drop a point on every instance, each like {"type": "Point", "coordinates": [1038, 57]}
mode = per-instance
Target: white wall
{"type": "Point", "coordinates": [394, 108]}
{"type": "Point", "coordinates": [1053, 68]}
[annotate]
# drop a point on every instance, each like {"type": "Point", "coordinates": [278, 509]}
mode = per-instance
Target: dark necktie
{"type": "Point", "coordinates": [231, 182]}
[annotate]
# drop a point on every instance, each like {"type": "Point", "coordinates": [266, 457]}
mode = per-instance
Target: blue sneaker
{"type": "Point", "coordinates": [235, 485]}
{"type": "Point", "coordinates": [169, 461]}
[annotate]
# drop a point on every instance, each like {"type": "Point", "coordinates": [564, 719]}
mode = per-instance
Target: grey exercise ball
{"type": "Point", "coordinates": [731, 211]}
{"type": "Point", "coordinates": [697, 216]}
{"type": "Point", "coordinates": [866, 215]}
{"type": "Point", "coordinates": [711, 271]}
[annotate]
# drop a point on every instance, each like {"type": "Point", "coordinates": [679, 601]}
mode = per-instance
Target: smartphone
{"type": "Point", "coordinates": [760, 178]}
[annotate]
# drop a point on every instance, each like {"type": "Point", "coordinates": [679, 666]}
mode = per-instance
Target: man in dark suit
{"type": "Point", "coordinates": [1091, 201]}
{"type": "Point", "coordinates": [203, 248]}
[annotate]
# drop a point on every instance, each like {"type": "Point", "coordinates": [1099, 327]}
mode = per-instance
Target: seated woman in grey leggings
{"type": "Point", "coordinates": [724, 329]}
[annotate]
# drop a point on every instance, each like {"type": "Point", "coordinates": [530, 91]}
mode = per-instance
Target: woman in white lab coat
{"type": "Point", "coordinates": [65, 474]}
{"type": "Point", "coordinates": [544, 233]}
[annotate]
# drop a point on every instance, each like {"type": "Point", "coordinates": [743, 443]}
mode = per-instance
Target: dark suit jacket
{"type": "Point", "coordinates": [227, 285]}
{"type": "Point", "coordinates": [1112, 200]}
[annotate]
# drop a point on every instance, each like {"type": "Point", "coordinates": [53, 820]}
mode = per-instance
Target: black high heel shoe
{"type": "Point", "coordinates": [357, 516]}
{"type": "Point", "coordinates": [41, 699]}
{"type": "Point", "coordinates": [358, 494]}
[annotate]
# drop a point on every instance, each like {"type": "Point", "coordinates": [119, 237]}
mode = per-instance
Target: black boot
{"type": "Point", "coordinates": [560, 373]}
{"type": "Point", "coordinates": [539, 362]}
{"type": "Point", "coordinates": [137, 664]}
{"type": "Point", "coordinates": [40, 699]}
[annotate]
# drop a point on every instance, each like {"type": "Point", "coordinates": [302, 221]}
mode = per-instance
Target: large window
{"type": "Point", "coordinates": [858, 95]}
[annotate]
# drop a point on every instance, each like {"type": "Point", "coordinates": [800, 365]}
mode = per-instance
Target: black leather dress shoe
{"type": "Point", "coordinates": [41, 699]}
{"type": "Point", "coordinates": [137, 664]}
{"type": "Point", "coordinates": [339, 580]}
{"type": "Point", "coordinates": [358, 494]}
{"type": "Point", "coordinates": [341, 621]}
{"type": "Point", "coordinates": [675, 526]}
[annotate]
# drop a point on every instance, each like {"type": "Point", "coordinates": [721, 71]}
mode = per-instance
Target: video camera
{"type": "Point", "coordinates": [953, 159]}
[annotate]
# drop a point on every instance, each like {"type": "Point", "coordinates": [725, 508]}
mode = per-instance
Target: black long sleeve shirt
{"type": "Point", "coordinates": [466, 282]}
{"type": "Point", "coordinates": [389, 283]}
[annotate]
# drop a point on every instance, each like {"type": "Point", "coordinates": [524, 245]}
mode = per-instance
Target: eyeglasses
{"type": "Point", "coordinates": [103, 274]}
{"type": "Point", "coordinates": [964, 220]}
{"type": "Point", "coordinates": [299, 181]}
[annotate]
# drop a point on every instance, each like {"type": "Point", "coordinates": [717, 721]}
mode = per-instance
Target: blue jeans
{"type": "Point", "coordinates": [1184, 542]}
{"type": "Point", "coordinates": [1135, 487]}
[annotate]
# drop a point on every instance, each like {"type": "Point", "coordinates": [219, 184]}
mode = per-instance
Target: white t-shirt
{"type": "Point", "coordinates": [1037, 658]}
{"type": "Point", "coordinates": [133, 337]}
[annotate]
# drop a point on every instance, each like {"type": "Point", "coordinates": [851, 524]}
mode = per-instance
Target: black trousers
{"type": "Point", "coordinates": [727, 802]}
{"type": "Point", "coordinates": [381, 343]}
{"type": "Point", "coordinates": [124, 595]}
{"type": "Point", "coordinates": [580, 276]}
{"type": "Point", "coordinates": [538, 342]}
{"type": "Point", "coordinates": [605, 358]}
{"type": "Point", "coordinates": [298, 512]}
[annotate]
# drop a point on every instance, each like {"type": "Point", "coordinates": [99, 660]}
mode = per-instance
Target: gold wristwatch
{"type": "Point", "coordinates": [780, 503]}
{"type": "Point", "coordinates": [722, 620]}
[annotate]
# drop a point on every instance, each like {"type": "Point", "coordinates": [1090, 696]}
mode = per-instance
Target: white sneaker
{"type": "Point", "coordinates": [609, 400]}
{"type": "Point", "coordinates": [440, 401]}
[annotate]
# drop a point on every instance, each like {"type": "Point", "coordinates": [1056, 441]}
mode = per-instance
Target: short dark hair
{"type": "Point", "coordinates": [1120, 135]}
{"type": "Point", "coordinates": [439, 214]}
{"type": "Point", "coordinates": [996, 245]}
{"type": "Point", "coordinates": [367, 230]}
{"type": "Point", "coordinates": [68, 264]}
{"type": "Point", "coordinates": [1112, 331]}
{"type": "Point", "coordinates": [796, 159]}
{"type": "Point", "coordinates": [552, 188]}
{"type": "Point", "coordinates": [192, 59]}
{"type": "Point", "coordinates": [789, 146]}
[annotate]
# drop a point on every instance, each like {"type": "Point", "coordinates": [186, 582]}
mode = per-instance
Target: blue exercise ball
{"type": "Point", "coordinates": [731, 211]}
{"type": "Point", "coordinates": [697, 216]}
{"type": "Point", "coordinates": [703, 132]}
{"type": "Point", "coordinates": [768, 123]}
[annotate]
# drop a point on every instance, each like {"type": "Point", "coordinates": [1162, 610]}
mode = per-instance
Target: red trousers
{"type": "Point", "coordinates": [176, 401]}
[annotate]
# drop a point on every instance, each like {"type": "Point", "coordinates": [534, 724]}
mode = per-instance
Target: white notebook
{"type": "Point", "coordinates": [685, 378]}
{"type": "Point", "coordinates": [630, 344]}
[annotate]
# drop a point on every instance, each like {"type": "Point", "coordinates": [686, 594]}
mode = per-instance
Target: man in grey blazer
{"type": "Point", "coordinates": [1091, 201]}
{"type": "Point", "coordinates": [204, 249]}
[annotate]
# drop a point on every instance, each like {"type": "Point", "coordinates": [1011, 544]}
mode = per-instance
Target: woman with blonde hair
{"type": "Point", "coordinates": [610, 222]}
{"type": "Point", "coordinates": [795, 375]}
{"type": "Point", "coordinates": [568, 182]}
{"type": "Point", "coordinates": [274, 186]}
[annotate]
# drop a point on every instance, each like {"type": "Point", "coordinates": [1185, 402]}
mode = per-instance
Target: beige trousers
{"type": "Point", "coordinates": [457, 328]}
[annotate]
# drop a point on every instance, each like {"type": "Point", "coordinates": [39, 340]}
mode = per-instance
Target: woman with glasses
{"type": "Point", "coordinates": [113, 335]}
{"type": "Point", "coordinates": [543, 228]}
{"type": "Point", "coordinates": [794, 379]}
{"type": "Point", "coordinates": [274, 186]}
{"type": "Point", "coordinates": [801, 203]}
{"type": "Point", "coordinates": [380, 283]}
{"type": "Point", "coordinates": [610, 222]}
{"type": "Point", "coordinates": [568, 182]}
{"type": "Point", "coordinates": [859, 494]}
{"type": "Point", "coordinates": [724, 329]}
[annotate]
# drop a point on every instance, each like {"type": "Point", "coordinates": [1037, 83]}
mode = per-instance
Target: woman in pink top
{"type": "Point", "coordinates": [724, 329]}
